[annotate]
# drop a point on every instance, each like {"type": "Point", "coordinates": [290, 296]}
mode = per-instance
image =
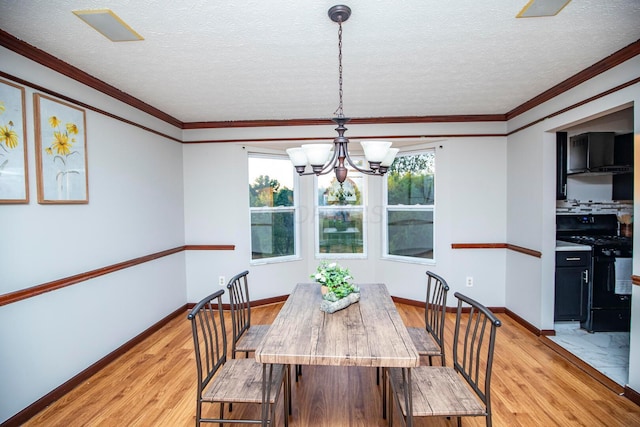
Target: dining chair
{"type": "Point", "coordinates": [246, 337]}
{"type": "Point", "coordinates": [222, 380]}
{"type": "Point", "coordinates": [429, 341]}
{"type": "Point", "coordinates": [459, 391]}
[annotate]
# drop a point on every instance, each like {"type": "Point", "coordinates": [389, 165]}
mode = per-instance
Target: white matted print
{"type": "Point", "coordinates": [14, 185]}
{"type": "Point", "coordinates": [61, 151]}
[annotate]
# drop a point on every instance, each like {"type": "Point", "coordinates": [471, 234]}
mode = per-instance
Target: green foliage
{"type": "Point", "coordinates": [410, 180]}
{"type": "Point", "coordinates": [336, 278]}
{"type": "Point", "coordinates": [410, 233]}
{"type": "Point", "coordinates": [415, 164]}
{"type": "Point", "coordinates": [273, 233]}
{"type": "Point", "coordinates": [346, 193]}
{"type": "Point", "coordinates": [267, 192]}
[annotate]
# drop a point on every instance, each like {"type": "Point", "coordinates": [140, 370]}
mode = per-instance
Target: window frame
{"type": "Point", "coordinates": [295, 208]}
{"type": "Point", "coordinates": [404, 208]}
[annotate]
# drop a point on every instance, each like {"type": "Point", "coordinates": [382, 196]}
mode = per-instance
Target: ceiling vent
{"type": "Point", "coordinates": [536, 8]}
{"type": "Point", "coordinates": [108, 24]}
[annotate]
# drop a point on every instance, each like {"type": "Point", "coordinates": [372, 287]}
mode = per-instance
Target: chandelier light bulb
{"type": "Point", "coordinates": [389, 158]}
{"type": "Point", "coordinates": [375, 151]}
{"type": "Point", "coordinates": [297, 156]}
{"type": "Point", "coordinates": [317, 154]}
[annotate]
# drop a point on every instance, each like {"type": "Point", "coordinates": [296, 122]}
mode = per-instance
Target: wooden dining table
{"type": "Point", "coordinates": [367, 333]}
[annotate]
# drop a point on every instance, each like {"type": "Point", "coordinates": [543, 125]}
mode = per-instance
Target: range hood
{"type": "Point", "coordinates": [592, 153]}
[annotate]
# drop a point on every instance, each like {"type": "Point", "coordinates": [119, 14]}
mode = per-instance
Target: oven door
{"type": "Point", "coordinates": [604, 283]}
{"type": "Point", "coordinates": [609, 311]}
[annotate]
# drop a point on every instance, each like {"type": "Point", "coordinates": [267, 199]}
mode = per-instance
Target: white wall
{"type": "Point", "coordinates": [471, 206]}
{"type": "Point", "coordinates": [135, 209]}
{"type": "Point", "coordinates": [525, 171]}
{"type": "Point", "coordinates": [531, 194]}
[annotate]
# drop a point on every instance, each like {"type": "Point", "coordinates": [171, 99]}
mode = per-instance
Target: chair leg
{"type": "Point", "coordinates": [384, 394]}
{"type": "Point", "coordinates": [298, 371]}
{"type": "Point", "coordinates": [287, 397]}
{"type": "Point", "coordinates": [198, 412]}
{"type": "Point", "coordinates": [288, 391]}
{"type": "Point", "coordinates": [390, 403]}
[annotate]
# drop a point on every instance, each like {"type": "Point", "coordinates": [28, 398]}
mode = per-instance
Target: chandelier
{"type": "Point", "coordinates": [320, 157]}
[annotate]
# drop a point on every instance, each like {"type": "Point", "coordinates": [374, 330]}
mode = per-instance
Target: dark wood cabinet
{"type": "Point", "coordinates": [561, 165]}
{"type": "Point", "coordinates": [573, 273]}
{"type": "Point", "coordinates": [623, 155]}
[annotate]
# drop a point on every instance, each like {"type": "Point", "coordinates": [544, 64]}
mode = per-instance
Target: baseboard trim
{"type": "Point", "coordinates": [632, 395]}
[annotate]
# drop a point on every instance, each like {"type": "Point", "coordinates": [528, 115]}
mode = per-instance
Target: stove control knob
{"type": "Point", "coordinates": [617, 252]}
{"type": "Point", "coordinates": [606, 252]}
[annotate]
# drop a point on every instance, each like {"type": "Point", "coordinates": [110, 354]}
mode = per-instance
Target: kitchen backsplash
{"type": "Point", "coordinates": [594, 207]}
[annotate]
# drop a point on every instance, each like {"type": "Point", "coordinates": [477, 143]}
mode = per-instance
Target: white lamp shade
{"type": "Point", "coordinates": [317, 154]}
{"type": "Point", "coordinates": [388, 159]}
{"type": "Point", "coordinates": [297, 156]}
{"type": "Point", "coordinates": [375, 151]}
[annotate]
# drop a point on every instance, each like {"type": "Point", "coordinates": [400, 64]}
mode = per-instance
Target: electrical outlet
{"type": "Point", "coordinates": [469, 281]}
{"type": "Point", "coordinates": [221, 281]}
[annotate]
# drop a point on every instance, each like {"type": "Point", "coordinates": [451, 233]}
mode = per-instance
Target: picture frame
{"type": "Point", "coordinates": [61, 151]}
{"type": "Point", "coordinates": [14, 182]}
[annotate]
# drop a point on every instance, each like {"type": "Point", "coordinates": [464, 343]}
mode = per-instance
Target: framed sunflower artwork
{"type": "Point", "coordinates": [61, 151]}
{"type": "Point", "coordinates": [14, 184]}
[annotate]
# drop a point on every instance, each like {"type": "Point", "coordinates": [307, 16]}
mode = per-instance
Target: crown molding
{"type": "Point", "coordinates": [43, 58]}
{"type": "Point", "coordinates": [31, 52]}
{"type": "Point", "coordinates": [599, 67]}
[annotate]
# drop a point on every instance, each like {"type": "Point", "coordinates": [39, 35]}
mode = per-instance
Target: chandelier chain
{"type": "Point", "coordinates": [339, 112]}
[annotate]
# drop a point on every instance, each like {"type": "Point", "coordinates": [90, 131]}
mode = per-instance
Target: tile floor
{"type": "Point", "coordinates": [608, 352]}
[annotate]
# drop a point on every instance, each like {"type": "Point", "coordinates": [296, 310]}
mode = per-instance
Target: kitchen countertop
{"type": "Point", "coordinates": [562, 246]}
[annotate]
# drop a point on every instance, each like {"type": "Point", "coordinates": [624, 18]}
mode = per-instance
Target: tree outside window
{"type": "Point", "coordinates": [341, 221]}
{"type": "Point", "coordinates": [410, 206]}
{"type": "Point", "coordinates": [273, 208]}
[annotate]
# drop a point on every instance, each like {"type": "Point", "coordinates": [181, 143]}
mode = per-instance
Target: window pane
{"type": "Point", "coordinates": [331, 192]}
{"type": "Point", "coordinates": [272, 234]}
{"type": "Point", "coordinates": [340, 231]}
{"type": "Point", "coordinates": [270, 182]}
{"type": "Point", "coordinates": [410, 233]}
{"type": "Point", "coordinates": [410, 180]}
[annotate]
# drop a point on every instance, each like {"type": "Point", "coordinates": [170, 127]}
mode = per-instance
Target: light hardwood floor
{"type": "Point", "coordinates": [154, 385]}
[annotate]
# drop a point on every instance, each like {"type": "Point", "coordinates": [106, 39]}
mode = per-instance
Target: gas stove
{"type": "Point", "coordinates": [590, 230]}
{"type": "Point", "coordinates": [607, 245]}
{"type": "Point", "coordinates": [609, 296]}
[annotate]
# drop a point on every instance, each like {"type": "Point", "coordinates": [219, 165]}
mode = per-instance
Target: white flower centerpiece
{"type": "Point", "coordinates": [338, 292]}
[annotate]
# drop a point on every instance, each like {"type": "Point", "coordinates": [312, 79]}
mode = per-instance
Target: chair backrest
{"type": "Point", "coordinates": [473, 343]}
{"type": "Point", "coordinates": [436, 305]}
{"type": "Point", "coordinates": [240, 304]}
{"type": "Point", "coordinates": [209, 337]}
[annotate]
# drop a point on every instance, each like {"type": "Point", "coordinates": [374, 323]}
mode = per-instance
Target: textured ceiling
{"type": "Point", "coordinates": [208, 60]}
